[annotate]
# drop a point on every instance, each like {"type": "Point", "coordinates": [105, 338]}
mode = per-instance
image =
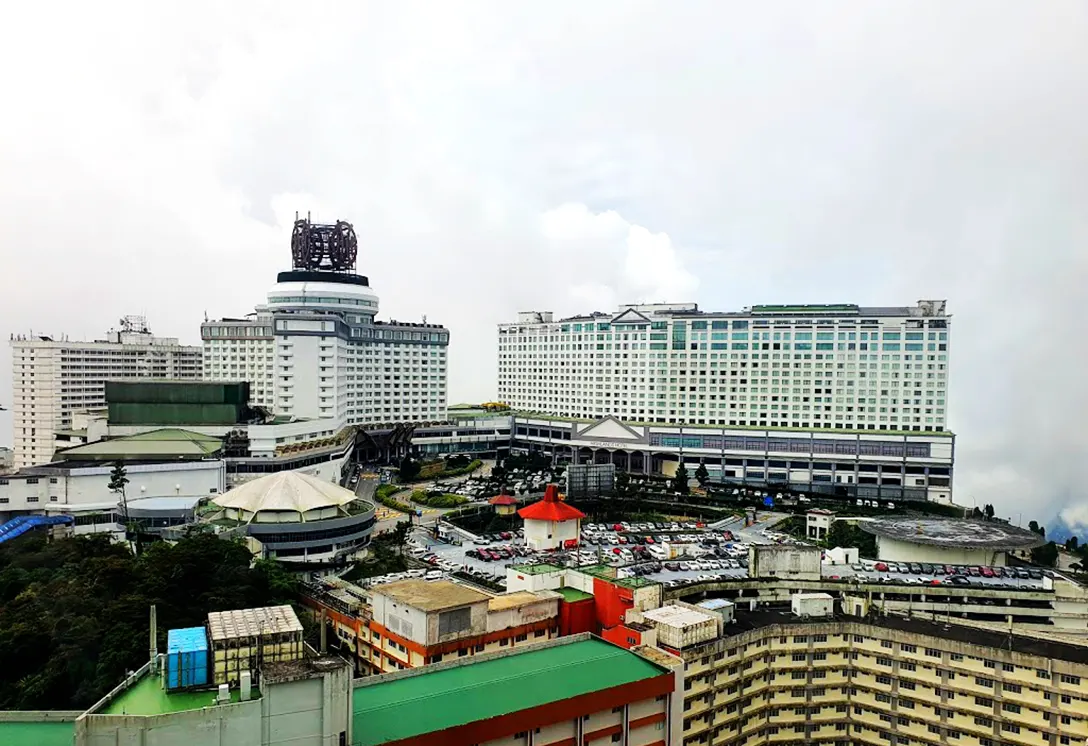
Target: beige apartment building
{"type": "Point", "coordinates": [779, 679]}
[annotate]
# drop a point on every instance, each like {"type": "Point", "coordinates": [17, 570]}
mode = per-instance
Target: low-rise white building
{"type": "Point", "coordinates": [818, 523]}
{"type": "Point", "coordinates": [169, 472]}
{"type": "Point", "coordinates": [551, 523]}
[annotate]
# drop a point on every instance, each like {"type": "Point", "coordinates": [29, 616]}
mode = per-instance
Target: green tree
{"type": "Point", "coordinates": [498, 473]}
{"type": "Point", "coordinates": [989, 510]}
{"type": "Point", "coordinates": [409, 469]}
{"type": "Point", "coordinates": [118, 480]}
{"type": "Point", "coordinates": [680, 481]}
{"type": "Point", "coordinates": [1046, 555]}
{"type": "Point", "coordinates": [702, 475]}
{"type": "Point", "coordinates": [623, 484]}
{"type": "Point", "coordinates": [1072, 543]}
{"type": "Point", "coordinates": [398, 537]}
{"type": "Point", "coordinates": [95, 595]}
{"type": "Point", "coordinates": [1035, 528]}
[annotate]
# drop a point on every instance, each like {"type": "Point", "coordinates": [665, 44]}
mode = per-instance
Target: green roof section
{"type": "Point", "coordinates": [50, 733]}
{"type": "Point", "coordinates": [570, 595]}
{"type": "Point", "coordinates": [165, 443]}
{"type": "Point", "coordinates": [147, 697]}
{"type": "Point", "coordinates": [436, 699]}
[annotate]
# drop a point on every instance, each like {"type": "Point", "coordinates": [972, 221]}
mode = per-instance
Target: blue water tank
{"type": "Point", "coordinates": [186, 658]}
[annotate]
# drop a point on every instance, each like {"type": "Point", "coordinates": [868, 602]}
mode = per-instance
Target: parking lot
{"type": "Point", "coordinates": [684, 553]}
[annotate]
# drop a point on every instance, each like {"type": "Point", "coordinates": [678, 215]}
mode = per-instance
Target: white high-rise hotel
{"type": "Point", "coordinates": [315, 351]}
{"type": "Point", "coordinates": [54, 377]}
{"type": "Point", "coordinates": [817, 380]}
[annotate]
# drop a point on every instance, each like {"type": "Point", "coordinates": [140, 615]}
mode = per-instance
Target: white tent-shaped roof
{"type": "Point", "coordinates": [287, 490]}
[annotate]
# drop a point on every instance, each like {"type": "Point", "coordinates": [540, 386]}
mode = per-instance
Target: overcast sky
{"type": "Point", "coordinates": [495, 158]}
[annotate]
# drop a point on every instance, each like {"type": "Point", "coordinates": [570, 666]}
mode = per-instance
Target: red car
{"type": "Point", "coordinates": [881, 567]}
{"type": "Point", "coordinates": [986, 572]}
{"type": "Point", "coordinates": [617, 527]}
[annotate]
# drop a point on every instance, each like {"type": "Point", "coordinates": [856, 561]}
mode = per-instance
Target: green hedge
{"type": "Point", "coordinates": [438, 499]}
{"type": "Point", "coordinates": [384, 495]}
{"type": "Point", "coordinates": [473, 466]}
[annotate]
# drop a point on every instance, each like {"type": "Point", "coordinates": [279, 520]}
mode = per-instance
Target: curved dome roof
{"type": "Point", "coordinates": [287, 490]}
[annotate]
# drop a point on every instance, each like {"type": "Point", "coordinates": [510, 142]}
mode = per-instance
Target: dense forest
{"type": "Point", "coordinates": [74, 612]}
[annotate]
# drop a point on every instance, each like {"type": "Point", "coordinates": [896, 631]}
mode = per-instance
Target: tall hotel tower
{"type": "Point", "coordinates": [316, 351]}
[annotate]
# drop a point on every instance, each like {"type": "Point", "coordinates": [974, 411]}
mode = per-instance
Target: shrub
{"type": "Point", "coordinates": [384, 495]}
{"type": "Point", "coordinates": [437, 499]}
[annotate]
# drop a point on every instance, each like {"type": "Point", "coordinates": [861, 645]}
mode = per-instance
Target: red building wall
{"type": "Point", "coordinates": [578, 616]}
{"type": "Point", "coordinates": [623, 636]}
{"type": "Point", "coordinates": [613, 601]}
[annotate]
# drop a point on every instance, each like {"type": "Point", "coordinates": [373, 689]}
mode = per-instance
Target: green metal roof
{"type": "Point", "coordinates": [434, 700]}
{"type": "Point", "coordinates": [162, 443]}
{"type": "Point", "coordinates": [37, 734]}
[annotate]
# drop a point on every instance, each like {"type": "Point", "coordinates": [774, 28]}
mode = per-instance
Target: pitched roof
{"type": "Point", "coordinates": [168, 442]}
{"type": "Point", "coordinates": [503, 500]}
{"type": "Point", "coordinates": [286, 490]}
{"type": "Point", "coordinates": [551, 508]}
{"type": "Point", "coordinates": [438, 699]}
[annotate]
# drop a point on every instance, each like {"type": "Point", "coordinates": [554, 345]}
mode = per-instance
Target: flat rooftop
{"type": "Point", "coordinates": [570, 595]}
{"type": "Point", "coordinates": [430, 595]}
{"type": "Point", "coordinates": [968, 534]}
{"type": "Point", "coordinates": [1074, 653]}
{"type": "Point", "coordinates": [266, 620]}
{"type": "Point", "coordinates": [536, 569]}
{"type": "Point", "coordinates": [147, 697]}
{"type": "Point", "coordinates": [514, 600]}
{"type": "Point", "coordinates": [440, 697]}
{"type": "Point", "coordinates": [678, 616]}
{"type": "Point", "coordinates": [45, 733]}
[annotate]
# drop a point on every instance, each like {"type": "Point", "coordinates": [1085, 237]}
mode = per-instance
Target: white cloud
{"type": "Point", "coordinates": [497, 157]}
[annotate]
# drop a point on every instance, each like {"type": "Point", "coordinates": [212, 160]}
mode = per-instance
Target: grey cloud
{"type": "Point", "coordinates": [874, 153]}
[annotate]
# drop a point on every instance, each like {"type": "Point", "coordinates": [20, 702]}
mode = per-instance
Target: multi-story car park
{"type": "Point", "coordinates": [758, 565]}
{"type": "Point", "coordinates": [54, 377]}
{"type": "Point", "coordinates": [315, 351]}
{"type": "Point", "coordinates": [829, 397]}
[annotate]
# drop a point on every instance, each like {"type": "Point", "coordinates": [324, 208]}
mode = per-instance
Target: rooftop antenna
{"type": "Point", "coordinates": [154, 641]}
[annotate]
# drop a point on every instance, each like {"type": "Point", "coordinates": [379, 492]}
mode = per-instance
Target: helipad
{"type": "Point", "coordinates": [951, 532]}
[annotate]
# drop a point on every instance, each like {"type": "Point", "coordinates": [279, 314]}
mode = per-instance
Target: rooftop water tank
{"type": "Point", "coordinates": [186, 658]}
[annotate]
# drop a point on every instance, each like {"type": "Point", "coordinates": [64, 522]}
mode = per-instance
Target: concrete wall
{"type": "Point", "coordinates": [228, 725]}
{"type": "Point", "coordinates": [394, 616]}
{"type": "Point", "coordinates": [543, 581]}
{"type": "Point", "coordinates": [550, 534]}
{"type": "Point", "coordinates": [89, 486]}
{"type": "Point", "coordinates": [478, 624]}
{"type": "Point", "coordinates": [310, 711]}
{"type": "Point", "coordinates": [784, 561]}
{"type": "Point", "coordinates": [547, 608]}
{"type": "Point", "coordinates": [893, 550]}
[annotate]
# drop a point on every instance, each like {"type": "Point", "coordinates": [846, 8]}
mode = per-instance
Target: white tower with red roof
{"type": "Point", "coordinates": [551, 523]}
